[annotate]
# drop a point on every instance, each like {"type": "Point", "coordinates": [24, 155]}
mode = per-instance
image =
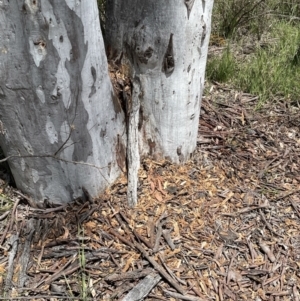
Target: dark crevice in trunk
{"type": "Point", "coordinates": [5, 172]}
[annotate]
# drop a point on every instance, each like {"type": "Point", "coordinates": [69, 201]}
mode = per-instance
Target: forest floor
{"type": "Point", "coordinates": [224, 226]}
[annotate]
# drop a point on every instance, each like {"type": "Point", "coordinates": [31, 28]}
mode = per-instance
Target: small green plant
{"type": "Point", "coordinates": [6, 203]}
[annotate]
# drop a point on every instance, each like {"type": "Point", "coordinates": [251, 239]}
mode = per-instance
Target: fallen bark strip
{"type": "Point", "coordinates": [24, 259]}
{"type": "Point", "coordinates": [144, 287]}
{"type": "Point", "coordinates": [10, 270]}
{"type": "Point", "coordinates": [133, 156]}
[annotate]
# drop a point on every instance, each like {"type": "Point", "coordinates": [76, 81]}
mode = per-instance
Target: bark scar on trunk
{"type": "Point", "coordinates": [203, 24]}
{"type": "Point", "coordinates": [168, 61]}
{"type": "Point", "coordinates": [189, 5]}
{"type": "Point", "coordinates": [203, 6]}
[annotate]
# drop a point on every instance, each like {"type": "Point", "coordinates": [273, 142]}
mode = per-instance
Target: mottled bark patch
{"type": "Point", "coordinates": [75, 30]}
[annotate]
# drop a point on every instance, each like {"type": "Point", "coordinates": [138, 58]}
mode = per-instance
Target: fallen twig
{"type": "Point", "coordinates": [9, 225]}
{"type": "Point", "coordinates": [167, 237]}
{"type": "Point", "coordinates": [267, 251]}
{"type": "Point", "coordinates": [295, 208]}
{"type": "Point", "coordinates": [4, 215]}
{"type": "Point", "coordinates": [170, 272]}
{"type": "Point", "coordinates": [136, 274]}
{"type": "Point", "coordinates": [287, 194]}
{"type": "Point", "coordinates": [268, 224]}
{"type": "Point", "coordinates": [161, 271]}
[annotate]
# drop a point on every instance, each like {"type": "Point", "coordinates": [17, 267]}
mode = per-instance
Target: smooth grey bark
{"type": "Point", "coordinates": [57, 108]}
{"type": "Point", "coordinates": [164, 44]}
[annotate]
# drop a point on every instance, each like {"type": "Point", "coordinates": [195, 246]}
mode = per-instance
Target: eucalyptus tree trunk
{"type": "Point", "coordinates": [164, 45]}
{"type": "Point", "coordinates": [59, 120]}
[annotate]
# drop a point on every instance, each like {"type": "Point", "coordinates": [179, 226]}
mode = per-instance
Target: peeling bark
{"type": "Point", "coordinates": [165, 43]}
{"type": "Point", "coordinates": [56, 99]}
{"type": "Point", "coordinates": [133, 156]}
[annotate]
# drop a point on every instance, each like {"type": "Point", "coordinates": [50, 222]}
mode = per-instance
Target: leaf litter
{"type": "Point", "coordinates": [224, 226]}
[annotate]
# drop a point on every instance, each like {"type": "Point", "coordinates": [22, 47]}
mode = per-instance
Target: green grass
{"type": "Point", "coordinates": [85, 290]}
{"type": "Point", "coordinates": [271, 73]}
{"type": "Point", "coordinates": [222, 68]}
{"type": "Point", "coordinates": [274, 72]}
